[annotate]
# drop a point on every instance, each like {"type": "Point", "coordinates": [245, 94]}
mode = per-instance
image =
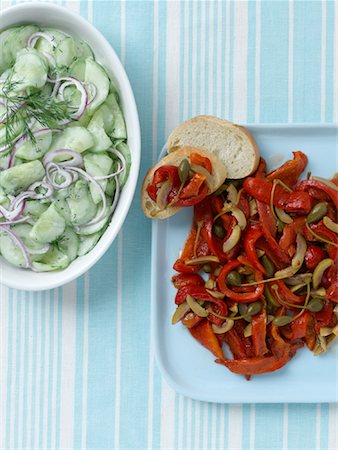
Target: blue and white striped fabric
{"type": "Point", "coordinates": [77, 365]}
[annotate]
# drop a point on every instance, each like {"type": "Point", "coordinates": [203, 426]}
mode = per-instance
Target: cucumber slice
{"type": "Point", "coordinates": [61, 204]}
{"type": "Point", "coordinates": [124, 149]}
{"type": "Point", "coordinates": [34, 150]}
{"type": "Point", "coordinates": [65, 53]}
{"type": "Point", "coordinates": [80, 202]}
{"type": "Point", "coordinates": [3, 196]}
{"type": "Point", "coordinates": [17, 128]}
{"type": "Point", "coordinates": [97, 165]}
{"type": "Point", "coordinates": [91, 229]}
{"type": "Point", "coordinates": [23, 230]}
{"type": "Point", "coordinates": [83, 50]}
{"type": "Point", "coordinates": [49, 226]}
{"type": "Point", "coordinates": [42, 45]}
{"type": "Point", "coordinates": [68, 243]}
{"type": "Point", "coordinates": [19, 178]}
{"type": "Point", "coordinates": [119, 128]}
{"type": "Point", "coordinates": [54, 259]}
{"type": "Point", "coordinates": [87, 243]}
{"type": "Point", "coordinates": [10, 251]}
{"type": "Point", "coordinates": [96, 127]}
{"type": "Point", "coordinates": [75, 138]}
{"type": "Point", "coordinates": [35, 208]}
{"type": "Point", "coordinates": [11, 42]}
{"type": "Point", "coordinates": [94, 73]}
{"type": "Point", "coordinates": [30, 69]}
{"type": "Point", "coordinates": [78, 69]}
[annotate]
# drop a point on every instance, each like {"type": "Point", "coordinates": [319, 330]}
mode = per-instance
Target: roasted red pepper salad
{"type": "Point", "coordinates": [259, 269]}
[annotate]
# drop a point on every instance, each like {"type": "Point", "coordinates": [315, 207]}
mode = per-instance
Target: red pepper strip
{"type": "Point", "coordinates": [286, 296]}
{"type": "Point", "coordinates": [259, 333]}
{"type": "Point", "coordinates": [203, 213]}
{"type": "Point", "coordinates": [324, 317]}
{"type": "Point", "coordinates": [318, 195]}
{"type": "Point", "coordinates": [244, 204]}
{"type": "Point", "coordinates": [307, 184]}
{"type": "Point", "coordinates": [332, 292]}
{"type": "Point", "coordinates": [260, 189]}
{"type": "Point", "coordinates": [290, 231]}
{"type": "Point", "coordinates": [250, 238]}
{"type": "Point", "coordinates": [304, 327]}
{"type": "Point", "coordinates": [199, 160]}
{"type": "Point", "coordinates": [261, 169]}
{"type": "Point", "coordinates": [191, 201]}
{"type": "Point", "coordinates": [204, 334]}
{"type": "Point", "coordinates": [191, 319]}
{"type": "Point", "coordinates": [183, 279]}
{"type": "Point", "coordinates": [274, 330]}
{"type": "Point", "coordinates": [263, 364]}
{"type": "Point", "coordinates": [299, 202]}
{"type": "Point", "coordinates": [245, 297]}
{"type": "Point", "coordinates": [313, 256]}
{"type": "Point", "coordinates": [290, 171]}
{"type": "Point", "coordinates": [200, 293]}
{"type": "Point", "coordinates": [264, 214]}
{"type": "Point", "coordinates": [162, 174]}
{"type": "Point", "coordinates": [240, 346]}
{"type": "Point", "coordinates": [322, 231]}
{"type": "Point", "coordinates": [193, 187]}
{"type": "Point", "coordinates": [187, 253]}
{"type": "Point", "coordinates": [264, 246]}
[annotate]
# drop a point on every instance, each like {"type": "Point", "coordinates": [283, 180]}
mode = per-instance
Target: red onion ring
{"type": "Point", "coordinates": [19, 243]}
{"type": "Point", "coordinates": [39, 184]}
{"type": "Point", "coordinates": [15, 221]}
{"type": "Point", "coordinates": [58, 89]}
{"type": "Point", "coordinates": [33, 38]}
{"type": "Point", "coordinates": [76, 158]}
{"type": "Point", "coordinates": [120, 169]}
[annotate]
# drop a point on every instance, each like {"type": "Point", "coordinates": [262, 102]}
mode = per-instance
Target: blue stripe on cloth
{"type": "Point", "coordinates": [330, 30]}
{"type": "Point", "coordinates": [307, 55]}
{"type": "Point", "coordinates": [274, 61]}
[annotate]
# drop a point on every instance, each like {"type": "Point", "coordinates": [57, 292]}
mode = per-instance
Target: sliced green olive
{"type": "Point", "coordinates": [281, 321]}
{"type": "Point", "coordinates": [196, 307]}
{"type": "Point", "coordinates": [315, 304]}
{"type": "Point", "coordinates": [268, 266]}
{"type": "Point", "coordinates": [227, 325]}
{"type": "Point", "coordinates": [254, 308]}
{"type": "Point", "coordinates": [233, 278]}
{"type": "Point", "coordinates": [207, 268]}
{"type": "Point", "coordinates": [180, 312]}
{"type": "Point", "coordinates": [319, 271]}
{"type": "Point", "coordinates": [218, 231]}
{"type": "Point", "coordinates": [317, 212]}
{"type": "Point", "coordinates": [183, 170]}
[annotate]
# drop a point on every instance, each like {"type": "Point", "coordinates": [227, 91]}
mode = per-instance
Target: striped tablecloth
{"type": "Point", "coordinates": [77, 365]}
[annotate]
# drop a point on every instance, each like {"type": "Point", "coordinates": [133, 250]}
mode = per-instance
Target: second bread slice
{"type": "Point", "coordinates": [233, 144]}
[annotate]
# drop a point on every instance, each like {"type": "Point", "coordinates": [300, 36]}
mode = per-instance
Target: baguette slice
{"type": "Point", "coordinates": [233, 144]}
{"type": "Point", "coordinates": [217, 178]}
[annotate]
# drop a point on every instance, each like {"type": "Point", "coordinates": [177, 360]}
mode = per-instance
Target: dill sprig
{"type": "Point", "coordinates": [30, 107]}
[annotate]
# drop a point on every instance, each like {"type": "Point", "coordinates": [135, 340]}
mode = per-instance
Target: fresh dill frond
{"type": "Point", "coordinates": [28, 108]}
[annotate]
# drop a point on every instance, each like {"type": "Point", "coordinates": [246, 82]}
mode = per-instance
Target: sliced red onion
{"type": "Point", "coordinates": [24, 138]}
{"type": "Point", "coordinates": [15, 221]}
{"type": "Point", "coordinates": [33, 38]}
{"type": "Point", "coordinates": [119, 170]}
{"type": "Point", "coordinates": [19, 243]}
{"type": "Point", "coordinates": [13, 213]}
{"type": "Point", "coordinates": [50, 59]}
{"type": "Point", "coordinates": [19, 199]}
{"type": "Point", "coordinates": [76, 158]}
{"type": "Point", "coordinates": [40, 184]}
{"type": "Point", "coordinates": [68, 81]}
{"type": "Point", "coordinates": [53, 171]}
{"type": "Point", "coordinates": [103, 197]}
{"type": "Point", "coordinates": [116, 196]}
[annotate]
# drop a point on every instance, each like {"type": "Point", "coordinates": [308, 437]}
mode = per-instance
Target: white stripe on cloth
{"type": "Point", "coordinates": [4, 324]}
{"type": "Point", "coordinates": [85, 360]}
{"type": "Point", "coordinates": [68, 358]}
{"type": "Point", "coordinates": [240, 53]}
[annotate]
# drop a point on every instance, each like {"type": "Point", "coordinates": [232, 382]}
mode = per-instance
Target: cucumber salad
{"type": "Point", "coordinates": [64, 156]}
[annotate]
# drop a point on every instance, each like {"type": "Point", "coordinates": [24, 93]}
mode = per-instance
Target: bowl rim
{"type": "Point", "coordinates": [49, 280]}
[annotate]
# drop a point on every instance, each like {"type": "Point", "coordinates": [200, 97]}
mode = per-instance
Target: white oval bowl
{"type": "Point", "coordinates": [46, 14]}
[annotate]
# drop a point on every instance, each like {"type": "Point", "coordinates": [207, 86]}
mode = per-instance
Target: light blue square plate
{"type": "Point", "coordinates": [186, 365]}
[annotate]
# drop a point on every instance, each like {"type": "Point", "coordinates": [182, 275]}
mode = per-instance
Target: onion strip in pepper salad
{"type": "Point", "coordinates": [259, 269]}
